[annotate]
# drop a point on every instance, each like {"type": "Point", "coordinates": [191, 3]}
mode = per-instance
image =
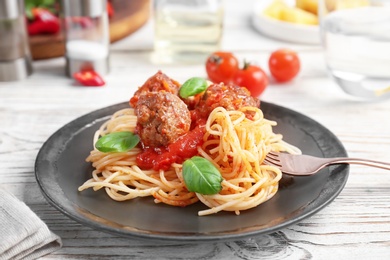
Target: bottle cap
{"type": "Point", "coordinates": [90, 8]}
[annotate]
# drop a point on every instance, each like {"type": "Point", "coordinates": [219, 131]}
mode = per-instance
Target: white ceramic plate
{"type": "Point", "coordinates": [284, 31]}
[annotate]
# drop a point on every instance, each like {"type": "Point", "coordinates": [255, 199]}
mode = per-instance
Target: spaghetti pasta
{"type": "Point", "coordinates": [233, 141]}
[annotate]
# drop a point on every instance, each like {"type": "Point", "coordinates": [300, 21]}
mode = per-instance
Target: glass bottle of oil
{"type": "Point", "coordinates": [187, 30]}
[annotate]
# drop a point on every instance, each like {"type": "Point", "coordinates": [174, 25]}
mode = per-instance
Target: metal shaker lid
{"type": "Point", "coordinates": [16, 69]}
{"type": "Point", "coordinates": [11, 9]}
{"type": "Point", "coordinates": [90, 8]}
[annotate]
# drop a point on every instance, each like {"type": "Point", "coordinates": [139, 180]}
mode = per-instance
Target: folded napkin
{"type": "Point", "coordinates": [23, 235]}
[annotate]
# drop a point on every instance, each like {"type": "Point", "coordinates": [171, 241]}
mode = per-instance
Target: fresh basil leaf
{"type": "Point", "coordinates": [47, 4]}
{"type": "Point", "coordinates": [192, 87]}
{"type": "Point", "coordinates": [117, 142]}
{"type": "Point", "coordinates": [201, 176]}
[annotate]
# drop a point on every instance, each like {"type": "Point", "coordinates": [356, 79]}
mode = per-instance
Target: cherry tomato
{"type": "Point", "coordinates": [221, 66]}
{"type": "Point", "coordinates": [284, 64]}
{"type": "Point", "coordinates": [253, 78]}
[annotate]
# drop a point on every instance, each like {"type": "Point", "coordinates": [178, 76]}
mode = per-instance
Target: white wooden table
{"type": "Point", "coordinates": [355, 226]}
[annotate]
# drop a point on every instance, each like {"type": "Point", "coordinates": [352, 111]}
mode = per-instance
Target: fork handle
{"type": "Point", "coordinates": [365, 162]}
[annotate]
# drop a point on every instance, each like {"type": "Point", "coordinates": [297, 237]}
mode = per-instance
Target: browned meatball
{"type": "Point", "coordinates": [230, 97]}
{"type": "Point", "coordinates": [158, 82]}
{"type": "Point", "coordinates": [162, 118]}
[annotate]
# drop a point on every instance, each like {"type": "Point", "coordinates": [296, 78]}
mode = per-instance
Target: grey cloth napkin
{"type": "Point", "coordinates": [23, 235]}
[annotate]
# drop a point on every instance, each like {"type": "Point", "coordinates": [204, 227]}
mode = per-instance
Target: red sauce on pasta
{"type": "Point", "coordinates": [161, 158]}
{"type": "Point", "coordinates": [172, 135]}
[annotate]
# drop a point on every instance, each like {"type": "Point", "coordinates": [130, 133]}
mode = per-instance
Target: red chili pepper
{"type": "Point", "coordinates": [110, 10]}
{"type": "Point", "coordinates": [89, 78]}
{"type": "Point", "coordinates": [44, 22]}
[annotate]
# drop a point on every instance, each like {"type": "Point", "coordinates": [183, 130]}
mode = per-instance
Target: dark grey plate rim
{"type": "Point", "coordinates": [47, 180]}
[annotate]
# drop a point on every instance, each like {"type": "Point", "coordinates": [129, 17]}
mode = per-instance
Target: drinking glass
{"type": "Point", "coordinates": [186, 30]}
{"type": "Point", "coordinates": [87, 39]}
{"type": "Point", "coordinates": [355, 35]}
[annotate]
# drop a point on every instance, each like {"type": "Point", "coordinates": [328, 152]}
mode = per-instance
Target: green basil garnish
{"type": "Point", "coordinates": [201, 176]}
{"type": "Point", "coordinates": [117, 142]}
{"type": "Point", "coordinates": [192, 87]}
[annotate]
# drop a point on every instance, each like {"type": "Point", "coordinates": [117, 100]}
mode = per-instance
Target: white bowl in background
{"type": "Point", "coordinates": [284, 31]}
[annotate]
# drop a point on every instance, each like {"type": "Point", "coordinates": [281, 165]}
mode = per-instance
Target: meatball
{"type": "Point", "coordinates": [158, 82]}
{"type": "Point", "coordinates": [162, 117]}
{"type": "Point", "coordinates": [230, 97]}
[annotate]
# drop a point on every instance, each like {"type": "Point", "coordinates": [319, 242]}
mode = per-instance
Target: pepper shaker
{"type": "Point", "coordinates": [15, 56]}
{"type": "Point", "coordinates": [86, 36]}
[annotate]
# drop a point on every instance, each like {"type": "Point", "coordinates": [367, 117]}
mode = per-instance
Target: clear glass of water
{"type": "Point", "coordinates": [186, 31]}
{"type": "Point", "coordinates": [355, 35]}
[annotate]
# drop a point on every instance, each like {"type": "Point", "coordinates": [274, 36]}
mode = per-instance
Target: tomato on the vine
{"type": "Point", "coordinates": [251, 77]}
{"type": "Point", "coordinates": [221, 66]}
{"type": "Point", "coordinates": [284, 64]}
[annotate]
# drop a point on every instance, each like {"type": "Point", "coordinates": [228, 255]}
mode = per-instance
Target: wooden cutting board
{"type": "Point", "coordinates": [129, 16]}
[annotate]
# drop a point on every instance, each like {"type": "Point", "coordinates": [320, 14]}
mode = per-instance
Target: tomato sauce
{"type": "Point", "coordinates": [161, 158]}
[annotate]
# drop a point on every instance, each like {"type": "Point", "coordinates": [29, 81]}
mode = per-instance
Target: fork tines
{"type": "Point", "coordinates": [272, 158]}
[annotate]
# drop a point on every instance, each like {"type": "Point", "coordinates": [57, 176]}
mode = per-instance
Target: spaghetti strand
{"type": "Point", "coordinates": [234, 142]}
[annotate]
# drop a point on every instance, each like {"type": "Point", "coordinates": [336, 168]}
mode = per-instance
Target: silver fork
{"type": "Point", "coordinates": [303, 165]}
